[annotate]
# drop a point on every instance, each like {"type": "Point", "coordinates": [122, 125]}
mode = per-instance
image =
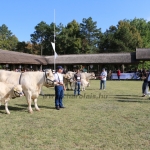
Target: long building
{"type": "Point", "coordinates": [91, 62]}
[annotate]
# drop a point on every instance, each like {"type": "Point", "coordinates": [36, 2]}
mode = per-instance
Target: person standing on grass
{"type": "Point", "coordinates": [144, 77]}
{"type": "Point", "coordinates": [103, 76]}
{"type": "Point", "coordinates": [109, 74]}
{"type": "Point", "coordinates": [77, 79]}
{"type": "Point", "coordinates": [118, 74]}
{"type": "Point", "coordinates": [59, 88]}
{"type": "Point", "coordinates": [147, 92]}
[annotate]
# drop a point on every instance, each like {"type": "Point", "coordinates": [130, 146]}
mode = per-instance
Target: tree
{"type": "Point", "coordinates": [27, 47]}
{"type": "Point", "coordinates": [8, 41]}
{"type": "Point", "coordinates": [144, 29]}
{"type": "Point", "coordinates": [43, 36]}
{"type": "Point", "coordinates": [90, 35]}
{"type": "Point", "coordinates": [122, 38]}
{"type": "Point", "coordinates": [69, 41]}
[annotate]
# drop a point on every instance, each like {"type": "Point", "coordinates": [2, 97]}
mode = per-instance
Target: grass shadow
{"type": "Point", "coordinates": [11, 108]}
{"type": "Point", "coordinates": [24, 105]}
{"type": "Point", "coordinates": [145, 101]}
{"type": "Point", "coordinates": [127, 97]}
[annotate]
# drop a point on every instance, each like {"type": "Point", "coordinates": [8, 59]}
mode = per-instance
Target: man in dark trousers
{"type": "Point", "coordinates": [77, 79]}
{"type": "Point", "coordinates": [59, 88]}
{"type": "Point", "coordinates": [144, 77]}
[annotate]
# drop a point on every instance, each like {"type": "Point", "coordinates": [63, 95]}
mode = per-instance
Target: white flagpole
{"type": "Point", "coordinates": [54, 38]}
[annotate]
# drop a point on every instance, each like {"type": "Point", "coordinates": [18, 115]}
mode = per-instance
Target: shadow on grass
{"type": "Point", "coordinates": [142, 101]}
{"type": "Point", "coordinates": [136, 98]}
{"type": "Point", "coordinates": [25, 106]}
{"type": "Point", "coordinates": [11, 108]}
{"type": "Point", "coordinates": [126, 95]}
{"type": "Point", "coordinates": [47, 95]}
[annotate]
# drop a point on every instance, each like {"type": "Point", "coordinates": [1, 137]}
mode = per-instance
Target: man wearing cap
{"type": "Point", "coordinates": [103, 76]}
{"type": "Point", "coordinates": [59, 88]}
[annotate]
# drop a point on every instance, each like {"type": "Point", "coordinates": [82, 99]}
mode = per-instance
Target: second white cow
{"type": "Point", "coordinates": [8, 91]}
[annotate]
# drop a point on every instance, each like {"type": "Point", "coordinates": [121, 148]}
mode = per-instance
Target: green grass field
{"type": "Point", "coordinates": [115, 119]}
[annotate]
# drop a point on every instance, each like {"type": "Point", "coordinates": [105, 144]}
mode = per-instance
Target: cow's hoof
{"type": "Point", "coordinates": [30, 111]}
{"type": "Point", "coordinates": [8, 113]}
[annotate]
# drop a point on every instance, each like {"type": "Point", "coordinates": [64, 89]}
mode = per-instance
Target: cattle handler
{"type": "Point", "coordinates": [59, 88]}
{"type": "Point", "coordinates": [77, 79]}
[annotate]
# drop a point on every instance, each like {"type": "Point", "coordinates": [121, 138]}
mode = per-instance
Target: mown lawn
{"type": "Point", "coordinates": [115, 119]}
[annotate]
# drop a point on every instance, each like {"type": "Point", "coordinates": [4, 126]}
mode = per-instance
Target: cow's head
{"type": "Point", "coordinates": [17, 91]}
{"type": "Point", "coordinates": [49, 78]}
{"type": "Point", "coordinates": [69, 76]}
{"type": "Point", "coordinates": [92, 76]}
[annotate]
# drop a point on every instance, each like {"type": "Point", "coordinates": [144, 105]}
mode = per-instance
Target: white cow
{"type": "Point", "coordinates": [84, 84]}
{"type": "Point", "coordinates": [68, 79]}
{"type": "Point", "coordinates": [8, 91]}
{"type": "Point", "coordinates": [88, 76]}
{"type": "Point", "coordinates": [31, 82]}
{"type": "Point", "coordinates": [85, 77]}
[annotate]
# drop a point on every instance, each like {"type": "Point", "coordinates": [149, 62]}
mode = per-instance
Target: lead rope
{"type": "Point", "coordinates": [20, 82]}
{"type": "Point", "coordinates": [20, 78]}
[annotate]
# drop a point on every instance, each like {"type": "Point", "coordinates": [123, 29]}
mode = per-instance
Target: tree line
{"type": "Point", "coordinates": [80, 38]}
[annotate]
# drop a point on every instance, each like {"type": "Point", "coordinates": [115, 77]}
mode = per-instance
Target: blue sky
{"type": "Point", "coordinates": [21, 16]}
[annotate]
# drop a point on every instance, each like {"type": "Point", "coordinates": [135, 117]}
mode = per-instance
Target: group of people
{"type": "Point", "coordinates": [110, 74]}
{"type": "Point", "coordinates": [60, 88]}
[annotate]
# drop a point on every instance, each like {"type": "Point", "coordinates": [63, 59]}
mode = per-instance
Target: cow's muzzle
{"type": "Point", "coordinates": [18, 94]}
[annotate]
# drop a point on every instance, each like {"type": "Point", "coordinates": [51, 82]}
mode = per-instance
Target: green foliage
{"type": "Point", "coordinates": [69, 41]}
{"type": "Point", "coordinates": [75, 38]}
{"type": "Point", "coordinates": [90, 35]}
{"type": "Point", "coordinates": [43, 36]}
{"type": "Point", "coordinates": [121, 38]}
{"type": "Point", "coordinates": [144, 29]}
{"type": "Point", "coordinates": [145, 64]}
{"type": "Point", "coordinates": [8, 41]}
{"type": "Point", "coordinates": [81, 38]}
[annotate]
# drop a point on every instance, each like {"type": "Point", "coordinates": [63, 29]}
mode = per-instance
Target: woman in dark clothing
{"type": "Point", "coordinates": [145, 82]}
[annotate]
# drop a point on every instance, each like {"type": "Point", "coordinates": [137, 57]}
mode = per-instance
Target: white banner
{"type": "Point", "coordinates": [53, 45]}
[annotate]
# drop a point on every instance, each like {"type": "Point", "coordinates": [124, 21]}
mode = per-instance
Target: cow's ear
{"type": "Point", "coordinates": [14, 89]}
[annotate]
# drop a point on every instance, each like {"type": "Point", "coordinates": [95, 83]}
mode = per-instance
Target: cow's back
{"type": "Point", "coordinates": [30, 80]}
{"type": "Point", "coordinates": [9, 77]}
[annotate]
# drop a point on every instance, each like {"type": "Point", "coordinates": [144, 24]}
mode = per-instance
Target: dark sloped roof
{"type": "Point", "coordinates": [12, 57]}
{"type": "Point", "coordinates": [93, 58]}
{"type": "Point", "coordinates": [143, 54]}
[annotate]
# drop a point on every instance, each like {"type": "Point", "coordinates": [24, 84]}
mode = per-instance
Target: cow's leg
{"type": "Point", "coordinates": [35, 104]}
{"type": "Point", "coordinates": [6, 107]}
{"type": "Point", "coordinates": [82, 87]}
{"type": "Point", "coordinates": [67, 85]}
{"type": "Point", "coordinates": [71, 85]}
{"type": "Point", "coordinates": [29, 101]}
